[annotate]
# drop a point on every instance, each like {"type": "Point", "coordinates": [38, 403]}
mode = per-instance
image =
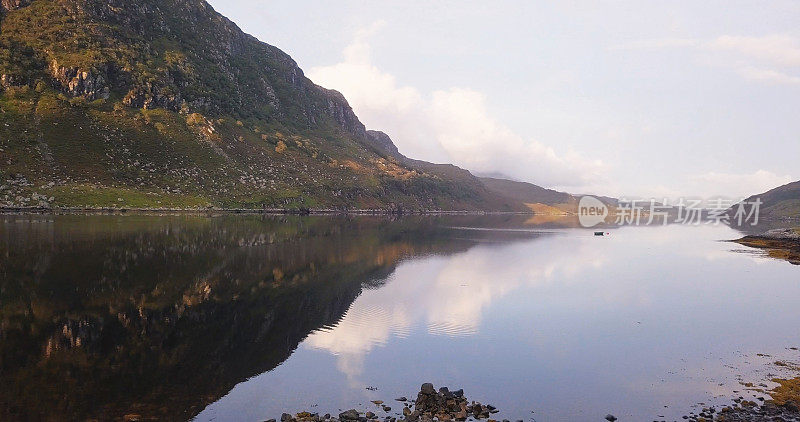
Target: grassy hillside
{"type": "Point", "coordinates": [781, 202]}
{"type": "Point", "coordinates": [168, 104]}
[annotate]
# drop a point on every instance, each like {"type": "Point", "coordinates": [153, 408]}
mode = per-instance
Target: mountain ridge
{"type": "Point", "coordinates": [777, 203]}
{"type": "Point", "coordinates": [170, 104]}
{"type": "Point", "coordinates": [538, 199]}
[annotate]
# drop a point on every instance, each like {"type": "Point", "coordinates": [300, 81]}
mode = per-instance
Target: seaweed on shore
{"type": "Point", "coordinates": [780, 247]}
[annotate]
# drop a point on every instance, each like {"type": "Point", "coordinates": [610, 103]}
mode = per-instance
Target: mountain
{"type": "Point", "coordinates": [537, 198]}
{"type": "Point", "coordinates": [779, 203]}
{"type": "Point", "coordinates": [166, 103]}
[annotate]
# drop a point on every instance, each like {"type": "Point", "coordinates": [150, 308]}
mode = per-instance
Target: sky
{"type": "Point", "coordinates": [622, 98]}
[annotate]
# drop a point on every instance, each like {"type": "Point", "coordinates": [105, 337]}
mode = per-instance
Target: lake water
{"type": "Point", "coordinates": [241, 318]}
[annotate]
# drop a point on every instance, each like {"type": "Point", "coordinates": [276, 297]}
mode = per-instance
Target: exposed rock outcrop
{"type": "Point", "coordinates": [76, 82]}
{"type": "Point", "coordinates": [383, 143]}
{"type": "Point", "coordinates": [13, 4]}
{"type": "Point", "coordinates": [149, 96]}
{"type": "Point", "coordinates": [342, 113]}
{"type": "Point", "coordinates": [202, 62]}
{"type": "Point", "coordinates": [8, 80]}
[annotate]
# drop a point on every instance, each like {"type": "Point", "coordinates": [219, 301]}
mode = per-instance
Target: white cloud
{"type": "Point", "coordinates": [781, 50]}
{"type": "Point", "coordinates": [767, 58]}
{"type": "Point", "coordinates": [737, 185]}
{"type": "Point", "coordinates": [768, 75]}
{"type": "Point", "coordinates": [449, 296]}
{"type": "Point", "coordinates": [450, 125]}
{"type": "Point", "coordinates": [656, 44]}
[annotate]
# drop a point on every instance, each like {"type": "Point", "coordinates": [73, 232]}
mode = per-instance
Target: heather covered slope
{"type": "Point", "coordinates": [169, 104]}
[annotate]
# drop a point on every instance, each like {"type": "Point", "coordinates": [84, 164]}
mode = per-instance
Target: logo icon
{"type": "Point", "coordinates": [591, 211]}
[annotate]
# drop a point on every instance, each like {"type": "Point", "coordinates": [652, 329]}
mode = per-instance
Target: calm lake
{"type": "Point", "coordinates": [241, 318]}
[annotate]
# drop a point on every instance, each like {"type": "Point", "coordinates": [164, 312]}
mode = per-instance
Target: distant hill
{"type": "Point", "coordinates": [537, 198]}
{"type": "Point", "coordinates": [167, 103]}
{"type": "Point", "coordinates": [781, 202]}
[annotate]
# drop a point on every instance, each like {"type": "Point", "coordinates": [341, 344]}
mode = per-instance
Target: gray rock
{"type": "Point", "coordinates": [427, 388]}
{"type": "Point", "coordinates": [350, 415]}
{"type": "Point", "coordinates": [610, 418]}
{"type": "Point", "coordinates": [369, 415]}
{"type": "Point", "coordinates": [286, 417]}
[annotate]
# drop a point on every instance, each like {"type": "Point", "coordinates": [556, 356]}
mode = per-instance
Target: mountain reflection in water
{"type": "Point", "coordinates": [102, 316]}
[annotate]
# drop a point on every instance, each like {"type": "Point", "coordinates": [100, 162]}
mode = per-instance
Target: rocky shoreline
{"type": "Point", "coordinates": [446, 405]}
{"type": "Point", "coordinates": [779, 404]}
{"type": "Point", "coordinates": [779, 243]}
{"type": "Point", "coordinates": [430, 405]}
{"type": "Point", "coordinates": [783, 406]}
{"type": "Point", "coordinates": [250, 211]}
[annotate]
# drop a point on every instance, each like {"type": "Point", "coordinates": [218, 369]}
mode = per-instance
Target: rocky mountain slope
{"type": "Point", "coordinates": [169, 104]}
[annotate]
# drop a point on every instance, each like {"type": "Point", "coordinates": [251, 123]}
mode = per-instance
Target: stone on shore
{"type": "Point", "coordinates": [349, 415]}
{"type": "Point", "coordinates": [442, 405]}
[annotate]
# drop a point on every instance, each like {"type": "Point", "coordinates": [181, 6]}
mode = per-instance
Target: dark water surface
{"type": "Point", "coordinates": [241, 318]}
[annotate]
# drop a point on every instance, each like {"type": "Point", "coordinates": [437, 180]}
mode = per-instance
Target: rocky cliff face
{"type": "Point", "coordinates": [383, 142]}
{"type": "Point", "coordinates": [76, 82]}
{"type": "Point", "coordinates": [176, 55]}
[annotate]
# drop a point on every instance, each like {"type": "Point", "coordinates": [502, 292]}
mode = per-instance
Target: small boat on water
{"type": "Point", "coordinates": [599, 234]}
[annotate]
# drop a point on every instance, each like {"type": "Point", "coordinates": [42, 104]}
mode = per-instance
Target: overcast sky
{"type": "Point", "coordinates": [625, 98]}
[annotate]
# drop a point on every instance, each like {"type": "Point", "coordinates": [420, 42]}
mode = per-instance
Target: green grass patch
{"type": "Point", "coordinates": [93, 196]}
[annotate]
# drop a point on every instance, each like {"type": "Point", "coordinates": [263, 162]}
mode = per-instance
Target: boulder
{"type": "Point", "coordinates": [349, 415]}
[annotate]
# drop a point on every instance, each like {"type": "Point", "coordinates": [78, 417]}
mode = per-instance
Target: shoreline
{"type": "Point", "coordinates": [780, 244]}
{"type": "Point", "coordinates": [238, 211]}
